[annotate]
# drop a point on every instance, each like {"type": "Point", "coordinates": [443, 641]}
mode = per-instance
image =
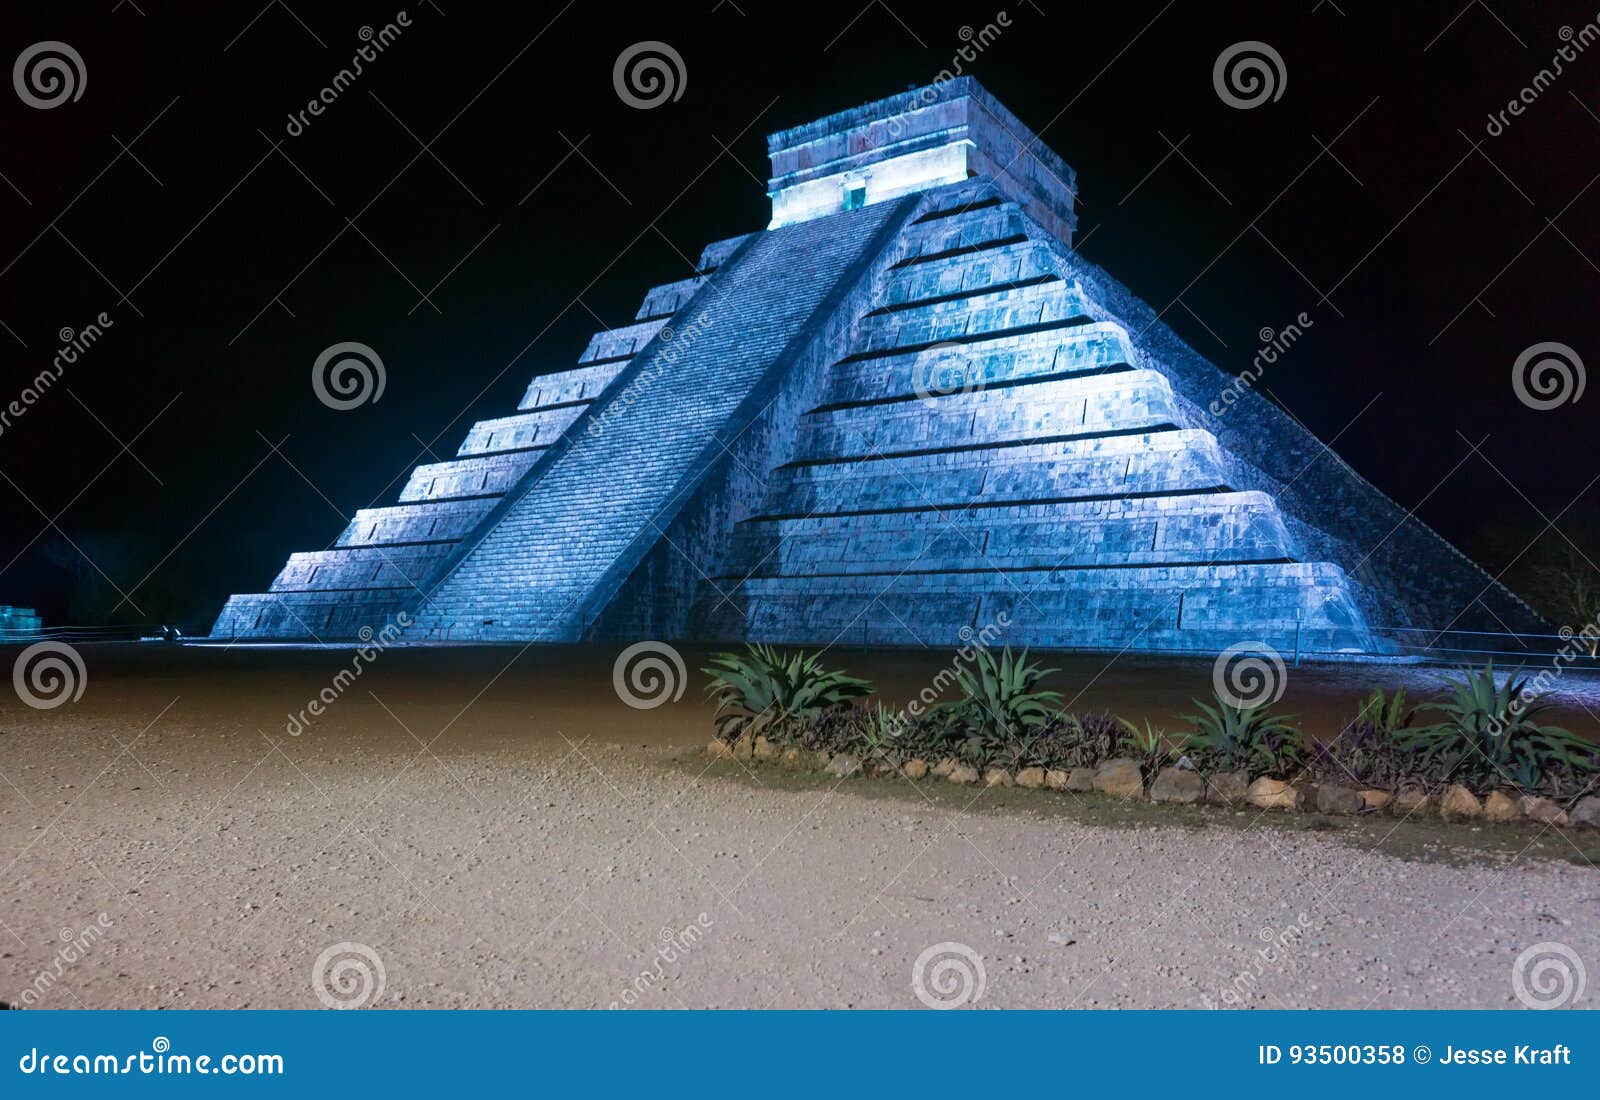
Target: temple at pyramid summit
{"type": "Point", "coordinates": [905, 412]}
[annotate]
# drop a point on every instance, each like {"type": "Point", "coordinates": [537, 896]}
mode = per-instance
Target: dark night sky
{"type": "Point", "coordinates": [226, 267]}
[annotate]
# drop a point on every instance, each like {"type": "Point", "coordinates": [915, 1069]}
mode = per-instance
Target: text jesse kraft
{"type": "Point", "coordinates": [1560, 1055]}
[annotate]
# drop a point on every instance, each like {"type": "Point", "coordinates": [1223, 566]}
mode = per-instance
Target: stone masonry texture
{"type": "Point", "coordinates": [908, 414]}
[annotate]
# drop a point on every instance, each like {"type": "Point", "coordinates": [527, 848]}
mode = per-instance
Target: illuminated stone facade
{"type": "Point", "coordinates": [905, 412]}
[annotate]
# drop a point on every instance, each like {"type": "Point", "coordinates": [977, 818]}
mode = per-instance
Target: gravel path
{"type": "Point", "coordinates": [547, 856]}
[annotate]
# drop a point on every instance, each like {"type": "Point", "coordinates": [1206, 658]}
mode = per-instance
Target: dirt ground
{"type": "Point", "coordinates": [496, 829]}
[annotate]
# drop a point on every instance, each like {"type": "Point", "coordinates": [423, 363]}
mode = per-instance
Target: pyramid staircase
{"type": "Point", "coordinates": [378, 563]}
{"type": "Point", "coordinates": [906, 413]}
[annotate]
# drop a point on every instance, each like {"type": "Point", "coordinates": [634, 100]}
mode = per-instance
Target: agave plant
{"type": "Point", "coordinates": [1368, 750]}
{"type": "Point", "coordinates": [765, 692]}
{"type": "Point", "coordinates": [1151, 745]}
{"type": "Point", "coordinates": [883, 735]}
{"type": "Point", "coordinates": [1250, 739]}
{"type": "Point", "coordinates": [1490, 736]}
{"type": "Point", "coordinates": [1000, 702]}
{"type": "Point", "coordinates": [1385, 714]}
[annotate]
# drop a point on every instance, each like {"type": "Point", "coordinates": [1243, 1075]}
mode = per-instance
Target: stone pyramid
{"type": "Point", "coordinates": [905, 413]}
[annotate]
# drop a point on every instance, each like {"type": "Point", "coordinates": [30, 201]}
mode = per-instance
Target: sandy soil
{"type": "Point", "coordinates": [501, 831]}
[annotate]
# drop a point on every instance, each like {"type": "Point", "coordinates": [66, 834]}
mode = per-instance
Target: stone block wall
{"type": "Point", "coordinates": [890, 425]}
{"type": "Point", "coordinates": [1049, 474]}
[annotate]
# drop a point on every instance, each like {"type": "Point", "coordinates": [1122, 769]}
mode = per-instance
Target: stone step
{"type": "Point", "coordinates": [1161, 463]}
{"type": "Point", "coordinates": [620, 343]}
{"type": "Point", "coordinates": [972, 230]}
{"type": "Point", "coordinates": [954, 201]}
{"type": "Point", "coordinates": [967, 275]}
{"type": "Point", "coordinates": [539, 428]}
{"type": "Point", "coordinates": [566, 387]}
{"type": "Point", "coordinates": [663, 301]}
{"type": "Point", "coordinates": [717, 253]}
{"type": "Point", "coordinates": [488, 475]}
{"type": "Point", "coordinates": [428, 521]}
{"type": "Point", "coordinates": [1044, 305]}
{"type": "Point", "coordinates": [1173, 607]}
{"type": "Point", "coordinates": [1102, 346]}
{"type": "Point", "coordinates": [317, 616]}
{"type": "Point", "coordinates": [1221, 527]}
{"type": "Point", "coordinates": [360, 567]}
{"type": "Point", "coordinates": [1138, 400]}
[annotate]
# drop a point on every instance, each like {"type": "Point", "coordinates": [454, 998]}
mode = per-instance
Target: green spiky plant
{"type": "Point", "coordinates": [883, 735]}
{"type": "Point", "coordinates": [1250, 739]}
{"type": "Point", "coordinates": [1491, 736]}
{"type": "Point", "coordinates": [1383, 714]}
{"type": "Point", "coordinates": [1151, 745]}
{"type": "Point", "coordinates": [766, 692]}
{"type": "Point", "coordinates": [1000, 704]}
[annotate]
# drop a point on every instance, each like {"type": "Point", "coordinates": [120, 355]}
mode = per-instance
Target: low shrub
{"type": "Point", "coordinates": [766, 692]}
{"type": "Point", "coordinates": [1151, 745]}
{"type": "Point", "coordinates": [1062, 741]}
{"type": "Point", "coordinates": [1001, 709]}
{"type": "Point", "coordinates": [1367, 752]}
{"type": "Point", "coordinates": [1068, 741]}
{"type": "Point", "coordinates": [1490, 737]}
{"type": "Point", "coordinates": [1248, 739]}
{"type": "Point", "coordinates": [872, 732]}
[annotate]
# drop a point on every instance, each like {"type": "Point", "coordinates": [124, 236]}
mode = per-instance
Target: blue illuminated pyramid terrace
{"type": "Point", "coordinates": [904, 412]}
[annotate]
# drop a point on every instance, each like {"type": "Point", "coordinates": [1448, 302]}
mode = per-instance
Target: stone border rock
{"type": "Point", "coordinates": [1124, 778]}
